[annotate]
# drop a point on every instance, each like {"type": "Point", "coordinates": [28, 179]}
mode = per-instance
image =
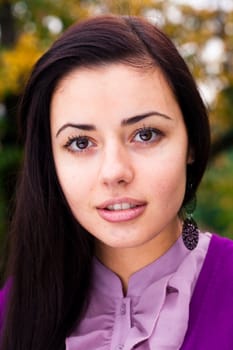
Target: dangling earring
{"type": "Point", "coordinates": [190, 231]}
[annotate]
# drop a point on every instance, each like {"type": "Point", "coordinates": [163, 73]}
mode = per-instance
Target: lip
{"type": "Point", "coordinates": [121, 215]}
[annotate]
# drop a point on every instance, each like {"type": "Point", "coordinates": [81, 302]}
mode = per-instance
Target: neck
{"type": "Point", "coordinates": [125, 261]}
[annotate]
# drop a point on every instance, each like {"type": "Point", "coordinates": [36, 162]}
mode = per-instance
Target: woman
{"type": "Point", "coordinates": [104, 252]}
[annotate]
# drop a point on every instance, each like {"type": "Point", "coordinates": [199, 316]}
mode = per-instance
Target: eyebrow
{"type": "Point", "coordinates": [138, 118]}
{"type": "Point", "coordinates": [129, 121]}
{"type": "Point", "coordinates": [87, 127]}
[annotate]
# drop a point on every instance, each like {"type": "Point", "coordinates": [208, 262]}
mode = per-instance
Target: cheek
{"type": "Point", "coordinates": [75, 185]}
{"type": "Point", "coordinates": [168, 181]}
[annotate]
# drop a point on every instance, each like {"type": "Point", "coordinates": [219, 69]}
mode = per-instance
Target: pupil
{"type": "Point", "coordinates": [145, 135]}
{"type": "Point", "coordinates": [82, 143]}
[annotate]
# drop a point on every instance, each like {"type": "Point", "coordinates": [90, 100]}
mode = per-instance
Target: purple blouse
{"type": "Point", "coordinates": [155, 311]}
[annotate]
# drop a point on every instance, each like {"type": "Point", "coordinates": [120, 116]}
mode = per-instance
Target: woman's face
{"type": "Point", "coordinates": [120, 149]}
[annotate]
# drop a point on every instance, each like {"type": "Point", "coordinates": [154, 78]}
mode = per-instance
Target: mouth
{"type": "Point", "coordinates": [121, 206]}
{"type": "Point", "coordinates": [121, 210]}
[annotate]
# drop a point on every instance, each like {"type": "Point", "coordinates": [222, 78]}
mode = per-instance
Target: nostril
{"type": "Point", "coordinates": [121, 181]}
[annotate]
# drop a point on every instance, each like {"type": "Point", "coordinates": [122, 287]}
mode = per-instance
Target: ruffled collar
{"type": "Point", "coordinates": [107, 282]}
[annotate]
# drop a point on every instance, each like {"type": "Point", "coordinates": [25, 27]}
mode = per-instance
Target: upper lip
{"type": "Point", "coordinates": [109, 202]}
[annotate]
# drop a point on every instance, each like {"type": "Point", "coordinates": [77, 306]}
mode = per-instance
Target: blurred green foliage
{"type": "Point", "coordinates": [215, 197]}
{"type": "Point", "coordinates": [29, 27]}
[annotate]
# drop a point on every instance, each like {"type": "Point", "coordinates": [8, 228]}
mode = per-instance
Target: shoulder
{"type": "Point", "coordinates": [217, 269]}
{"type": "Point", "coordinates": [211, 307]}
{"type": "Point", "coordinates": [220, 253]}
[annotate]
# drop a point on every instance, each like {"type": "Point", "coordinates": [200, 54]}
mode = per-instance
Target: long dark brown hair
{"type": "Point", "coordinates": [50, 253]}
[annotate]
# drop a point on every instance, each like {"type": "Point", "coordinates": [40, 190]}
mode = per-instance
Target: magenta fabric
{"type": "Point", "coordinates": [211, 309]}
{"type": "Point", "coordinates": [3, 300]}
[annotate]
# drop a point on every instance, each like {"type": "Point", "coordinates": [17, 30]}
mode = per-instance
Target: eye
{"type": "Point", "coordinates": [147, 135]}
{"type": "Point", "coordinates": [79, 144]}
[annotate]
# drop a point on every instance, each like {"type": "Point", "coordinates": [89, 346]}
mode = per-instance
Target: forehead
{"type": "Point", "coordinates": [112, 74]}
{"type": "Point", "coordinates": [113, 89]}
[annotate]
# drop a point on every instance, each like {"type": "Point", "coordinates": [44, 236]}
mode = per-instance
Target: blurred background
{"type": "Point", "coordinates": [203, 32]}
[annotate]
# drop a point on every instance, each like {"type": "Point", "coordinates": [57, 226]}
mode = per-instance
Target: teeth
{"type": "Point", "coordinates": [121, 206]}
{"type": "Point", "coordinates": [125, 206]}
{"type": "Point", "coordinates": [116, 206]}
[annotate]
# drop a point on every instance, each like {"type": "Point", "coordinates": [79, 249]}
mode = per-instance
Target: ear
{"type": "Point", "coordinates": [190, 156]}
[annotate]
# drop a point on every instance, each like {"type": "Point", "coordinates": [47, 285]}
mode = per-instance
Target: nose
{"type": "Point", "coordinates": [116, 167]}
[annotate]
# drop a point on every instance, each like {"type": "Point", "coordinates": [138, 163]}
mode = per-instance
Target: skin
{"type": "Point", "coordinates": [121, 159]}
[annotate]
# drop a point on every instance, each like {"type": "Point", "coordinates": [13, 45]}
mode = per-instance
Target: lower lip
{"type": "Point", "coordinates": [121, 215]}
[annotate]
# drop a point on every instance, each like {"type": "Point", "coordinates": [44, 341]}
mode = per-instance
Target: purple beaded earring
{"type": "Point", "coordinates": [190, 231]}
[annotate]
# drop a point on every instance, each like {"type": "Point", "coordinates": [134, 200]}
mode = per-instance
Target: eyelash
{"type": "Point", "coordinates": [74, 139]}
{"type": "Point", "coordinates": [85, 138]}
